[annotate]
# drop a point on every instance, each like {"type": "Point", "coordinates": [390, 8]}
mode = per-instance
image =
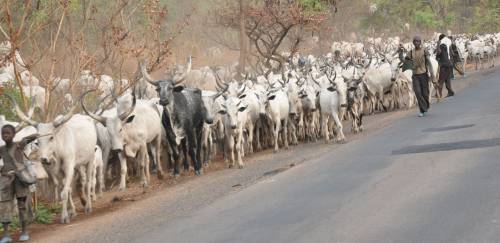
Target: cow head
{"type": "Point", "coordinates": [308, 98]}
{"type": "Point", "coordinates": [230, 108]}
{"type": "Point", "coordinates": [166, 88]}
{"type": "Point", "coordinates": [47, 140]}
{"type": "Point", "coordinates": [211, 105]}
{"type": "Point", "coordinates": [114, 124]}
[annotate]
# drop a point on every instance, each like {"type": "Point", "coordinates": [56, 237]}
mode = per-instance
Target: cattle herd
{"type": "Point", "coordinates": [165, 122]}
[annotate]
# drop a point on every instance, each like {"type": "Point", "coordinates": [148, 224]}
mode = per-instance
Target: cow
{"type": "Point", "coordinates": [97, 174]}
{"type": "Point", "coordinates": [132, 128]}
{"type": "Point", "coordinates": [235, 117]}
{"type": "Point", "coordinates": [183, 115]}
{"type": "Point", "coordinates": [278, 108]}
{"type": "Point", "coordinates": [329, 104]}
{"type": "Point", "coordinates": [65, 145]}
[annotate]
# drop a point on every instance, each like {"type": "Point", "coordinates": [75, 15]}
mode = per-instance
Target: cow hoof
{"type": "Point", "coordinates": [205, 164]}
{"type": "Point", "coordinates": [144, 184]}
{"type": "Point", "coordinates": [88, 210]}
{"type": "Point", "coordinates": [275, 151]}
{"type": "Point", "coordinates": [241, 166]}
{"type": "Point", "coordinates": [159, 175]}
{"type": "Point", "coordinates": [65, 220]}
{"type": "Point", "coordinates": [197, 172]}
{"type": "Point", "coordinates": [176, 176]}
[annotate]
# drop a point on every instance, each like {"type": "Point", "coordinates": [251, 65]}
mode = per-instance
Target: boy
{"type": "Point", "coordinates": [10, 187]}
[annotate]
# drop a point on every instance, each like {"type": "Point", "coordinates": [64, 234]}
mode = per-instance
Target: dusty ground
{"type": "Point", "coordinates": [173, 199]}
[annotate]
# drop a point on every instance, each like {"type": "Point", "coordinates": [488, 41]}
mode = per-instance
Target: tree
{"type": "Point", "coordinates": [64, 37]}
{"type": "Point", "coordinates": [269, 23]}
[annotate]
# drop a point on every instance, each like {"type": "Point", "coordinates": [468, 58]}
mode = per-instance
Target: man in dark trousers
{"type": "Point", "coordinates": [419, 58]}
{"type": "Point", "coordinates": [445, 65]}
{"type": "Point", "coordinates": [10, 187]}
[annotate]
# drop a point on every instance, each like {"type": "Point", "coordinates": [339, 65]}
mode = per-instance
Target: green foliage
{"type": "Point", "coordinates": [45, 214]}
{"type": "Point", "coordinates": [11, 89]}
{"type": "Point", "coordinates": [426, 18]}
{"type": "Point", "coordinates": [487, 17]}
{"type": "Point", "coordinates": [313, 5]}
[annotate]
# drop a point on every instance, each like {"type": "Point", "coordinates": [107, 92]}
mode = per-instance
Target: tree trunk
{"type": "Point", "coordinates": [243, 41]}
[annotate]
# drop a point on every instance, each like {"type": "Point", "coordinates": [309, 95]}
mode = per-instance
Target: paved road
{"type": "Point", "coordinates": [433, 179]}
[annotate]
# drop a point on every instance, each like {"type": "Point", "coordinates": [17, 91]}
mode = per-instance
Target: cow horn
{"type": "Point", "coordinates": [219, 83]}
{"type": "Point", "coordinates": [129, 111]}
{"type": "Point", "coordinates": [65, 118]}
{"type": "Point", "coordinates": [242, 90]}
{"type": "Point", "coordinates": [145, 73]}
{"type": "Point", "coordinates": [369, 63]}
{"type": "Point", "coordinates": [184, 75]}
{"type": "Point", "coordinates": [220, 92]}
{"type": "Point", "coordinates": [25, 118]}
{"type": "Point", "coordinates": [96, 117]}
{"type": "Point", "coordinates": [312, 77]}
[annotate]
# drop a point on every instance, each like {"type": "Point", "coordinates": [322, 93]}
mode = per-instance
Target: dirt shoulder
{"type": "Point", "coordinates": [139, 210]}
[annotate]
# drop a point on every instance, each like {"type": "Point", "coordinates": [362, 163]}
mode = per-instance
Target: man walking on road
{"type": "Point", "coordinates": [420, 66]}
{"type": "Point", "coordinates": [445, 65]}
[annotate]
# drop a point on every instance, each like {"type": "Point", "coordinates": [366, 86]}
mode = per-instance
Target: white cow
{"type": "Point", "coordinates": [97, 174]}
{"type": "Point", "coordinates": [132, 129]}
{"type": "Point", "coordinates": [65, 145]}
{"type": "Point", "coordinates": [278, 108]}
{"type": "Point", "coordinates": [234, 116]}
{"type": "Point", "coordinates": [329, 103]}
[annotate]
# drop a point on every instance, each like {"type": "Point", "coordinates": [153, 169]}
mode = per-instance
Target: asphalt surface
{"type": "Point", "coordinates": [432, 179]}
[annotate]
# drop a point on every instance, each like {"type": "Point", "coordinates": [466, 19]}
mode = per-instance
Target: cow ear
{"type": "Point", "coordinates": [271, 97]}
{"type": "Point", "coordinates": [130, 119]}
{"type": "Point", "coordinates": [222, 112]}
{"type": "Point", "coordinates": [243, 108]}
{"type": "Point", "coordinates": [178, 88]}
{"type": "Point", "coordinates": [242, 96]}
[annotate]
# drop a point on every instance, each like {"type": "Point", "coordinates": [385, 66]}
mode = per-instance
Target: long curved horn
{"type": "Point", "coordinates": [66, 117]}
{"type": "Point", "coordinates": [20, 113]}
{"type": "Point", "coordinates": [96, 117]}
{"type": "Point", "coordinates": [145, 73]}
{"type": "Point", "coordinates": [129, 111]}
{"type": "Point", "coordinates": [220, 85]}
{"type": "Point", "coordinates": [184, 75]}
{"type": "Point", "coordinates": [369, 63]}
{"type": "Point", "coordinates": [220, 92]}
{"type": "Point", "coordinates": [316, 81]}
{"type": "Point", "coordinates": [242, 90]}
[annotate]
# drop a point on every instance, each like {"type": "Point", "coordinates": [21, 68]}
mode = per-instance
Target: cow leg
{"type": "Point", "coordinates": [239, 148]}
{"type": "Point", "coordinates": [185, 152]}
{"type": "Point", "coordinates": [190, 134]}
{"type": "Point", "coordinates": [157, 157]}
{"type": "Point", "coordinates": [86, 180]}
{"type": "Point", "coordinates": [105, 161]}
{"type": "Point", "coordinates": [250, 136]}
{"type": "Point", "coordinates": [230, 146]}
{"type": "Point", "coordinates": [123, 170]}
{"type": "Point", "coordinates": [100, 175]}
{"type": "Point", "coordinates": [285, 132]}
{"type": "Point", "coordinates": [142, 160]}
{"type": "Point", "coordinates": [68, 178]}
{"type": "Point", "coordinates": [205, 144]}
{"type": "Point", "coordinates": [257, 129]}
{"type": "Point", "coordinates": [72, 211]}
{"type": "Point", "coordinates": [338, 123]}
{"type": "Point", "coordinates": [198, 147]}
{"type": "Point", "coordinates": [277, 125]}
